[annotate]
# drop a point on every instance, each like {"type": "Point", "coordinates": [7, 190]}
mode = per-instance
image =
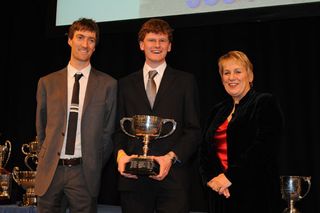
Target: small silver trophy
{"type": "Point", "coordinates": [291, 190]}
{"type": "Point", "coordinates": [149, 128]}
{"type": "Point", "coordinates": [27, 178]}
{"type": "Point", "coordinates": [5, 176]}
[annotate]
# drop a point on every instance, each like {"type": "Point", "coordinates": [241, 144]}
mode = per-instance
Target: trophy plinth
{"type": "Point", "coordinates": [149, 128]}
{"type": "Point", "coordinates": [26, 179]}
{"type": "Point", "coordinates": [5, 176]}
{"type": "Point", "coordinates": [142, 166]}
{"type": "Point", "coordinates": [291, 190]}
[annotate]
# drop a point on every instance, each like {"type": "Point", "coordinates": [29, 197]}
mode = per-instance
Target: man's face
{"type": "Point", "coordinates": [155, 47]}
{"type": "Point", "coordinates": [82, 45]}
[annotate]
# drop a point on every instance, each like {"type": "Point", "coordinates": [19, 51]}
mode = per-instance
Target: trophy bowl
{"type": "Point", "coordinates": [149, 128]}
{"type": "Point", "coordinates": [26, 179]}
{"type": "Point", "coordinates": [292, 190]}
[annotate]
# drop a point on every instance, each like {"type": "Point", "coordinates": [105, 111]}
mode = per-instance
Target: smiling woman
{"type": "Point", "coordinates": [237, 152]}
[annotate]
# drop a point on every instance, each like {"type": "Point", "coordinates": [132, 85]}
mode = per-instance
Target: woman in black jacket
{"type": "Point", "coordinates": [238, 152]}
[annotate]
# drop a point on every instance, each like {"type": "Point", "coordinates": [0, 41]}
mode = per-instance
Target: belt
{"type": "Point", "coordinates": [70, 162]}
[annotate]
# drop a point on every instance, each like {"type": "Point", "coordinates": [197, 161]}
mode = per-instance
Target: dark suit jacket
{"type": "Point", "coordinates": [177, 99]}
{"type": "Point", "coordinates": [97, 125]}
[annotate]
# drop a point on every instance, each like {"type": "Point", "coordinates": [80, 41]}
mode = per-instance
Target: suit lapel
{"type": "Point", "coordinates": [166, 81]}
{"type": "Point", "coordinates": [93, 81]}
{"type": "Point", "coordinates": [64, 90]}
{"type": "Point", "coordinates": [139, 84]}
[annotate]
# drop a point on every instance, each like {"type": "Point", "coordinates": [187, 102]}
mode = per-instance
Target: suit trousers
{"type": "Point", "coordinates": [69, 185]}
{"type": "Point", "coordinates": [159, 201]}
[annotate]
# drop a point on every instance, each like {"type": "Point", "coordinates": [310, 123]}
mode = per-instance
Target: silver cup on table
{"type": "Point", "coordinates": [26, 179]}
{"type": "Point", "coordinates": [148, 128]}
{"type": "Point", "coordinates": [293, 189]}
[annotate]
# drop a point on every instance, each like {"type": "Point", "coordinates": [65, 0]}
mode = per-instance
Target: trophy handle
{"type": "Point", "coordinates": [123, 128]}
{"type": "Point", "coordinates": [24, 147]}
{"type": "Point", "coordinates": [174, 124]}
{"type": "Point", "coordinates": [26, 162]}
{"type": "Point", "coordinates": [15, 175]}
{"type": "Point", "coordinates": [308, 181]}
{"type": "Point", "coordinates": [8, 144]}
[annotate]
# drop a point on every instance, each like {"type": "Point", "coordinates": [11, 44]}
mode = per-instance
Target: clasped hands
{"type": "Point", "coordinates": [220, 184]}
{"type": "Point", "coordinates": [165, 162]}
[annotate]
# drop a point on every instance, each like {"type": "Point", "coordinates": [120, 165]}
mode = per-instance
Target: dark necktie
{"type": "Point", "coordinates": [151, 87]}
{"type": "Point", "coordinates": [73, 116]}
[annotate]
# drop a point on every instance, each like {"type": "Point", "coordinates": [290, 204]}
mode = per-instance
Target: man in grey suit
{"type": "Point", "coordinates": [176, 98]}
{"type": "Point", "coordinates": [75, 175]}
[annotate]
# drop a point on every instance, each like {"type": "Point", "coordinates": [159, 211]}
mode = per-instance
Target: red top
{"type": "Point", "coordinates": [220, 141]}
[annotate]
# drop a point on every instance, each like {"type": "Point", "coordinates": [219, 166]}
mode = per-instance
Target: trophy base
{"type": "Point", "coordinates": [291, 210]}
{"type": "Point", "coordinates": [4, 196]}
{"type": "Point", "coordinates": [142, 167]}
{"type": "Point", "coordinates": [29, 200]}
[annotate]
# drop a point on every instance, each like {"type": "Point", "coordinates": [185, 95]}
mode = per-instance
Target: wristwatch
{"type": "Point", "coordinates": [173, 158]}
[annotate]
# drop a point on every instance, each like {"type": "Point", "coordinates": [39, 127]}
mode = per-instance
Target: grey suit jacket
{"type": "Point", "coordinates": [97, 126]}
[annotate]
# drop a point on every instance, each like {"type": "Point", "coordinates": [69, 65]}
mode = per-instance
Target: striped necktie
{"type": "Point", "coordinates": [73, 116]}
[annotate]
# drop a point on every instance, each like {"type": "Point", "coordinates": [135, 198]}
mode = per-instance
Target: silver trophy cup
{"type": "Point", "coordinates": [292, 188]}
{"type": "Point", "coordinates": [27, 180]}
{"type": "Point", "coordinates": [148, 128]}
{"type": "Point", "coordinates": [5, 176]}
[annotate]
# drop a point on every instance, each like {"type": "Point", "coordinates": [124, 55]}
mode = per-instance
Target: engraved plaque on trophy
{"type": "Point", "coordinates": [292, 188]}
{"type": "Point", "coordinates": [148, 128]}
{"type": "Point", "coordinates": [5, 176]}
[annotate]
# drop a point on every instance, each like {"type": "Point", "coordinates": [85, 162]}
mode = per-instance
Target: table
{"type": "Point", "coordinates": [33, 209]}
{"type": "Point", "coordinates": [17, 209]}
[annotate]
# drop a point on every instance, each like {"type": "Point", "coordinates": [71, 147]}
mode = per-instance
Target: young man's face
{"type": "Point", "coordinates": [155, 47]}
{"type": "Point", "coordinates": [82, 45]}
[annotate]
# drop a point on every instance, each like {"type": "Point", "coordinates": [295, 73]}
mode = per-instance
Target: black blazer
{"type": "Point", "coordinates": [177, 99]}
{"type": "Point", "coordinates": [253, 138]}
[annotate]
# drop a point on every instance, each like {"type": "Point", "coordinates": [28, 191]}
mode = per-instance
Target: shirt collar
{"type": "Point", "coordinates": [72, 70]}
{"type": "Point", "coordinates": [160, 69]}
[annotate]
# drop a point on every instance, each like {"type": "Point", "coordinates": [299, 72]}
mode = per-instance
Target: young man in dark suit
{"type": "Point", "coordinates": [176, 98]}
{"type": "Point", "coordinates": [74, 174]}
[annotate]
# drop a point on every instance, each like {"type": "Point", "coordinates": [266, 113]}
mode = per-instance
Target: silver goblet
{"type": "Point", "coordinates": [292, 188]}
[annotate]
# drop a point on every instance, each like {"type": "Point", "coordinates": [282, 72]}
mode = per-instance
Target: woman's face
{"type": "Point", "coordinates": [236, 79]}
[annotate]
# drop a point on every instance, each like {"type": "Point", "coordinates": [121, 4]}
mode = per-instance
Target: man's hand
{"type": "Point", "coordinates": [165, 162]}
{"type": "Point", "coordinates": [122, 159]}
